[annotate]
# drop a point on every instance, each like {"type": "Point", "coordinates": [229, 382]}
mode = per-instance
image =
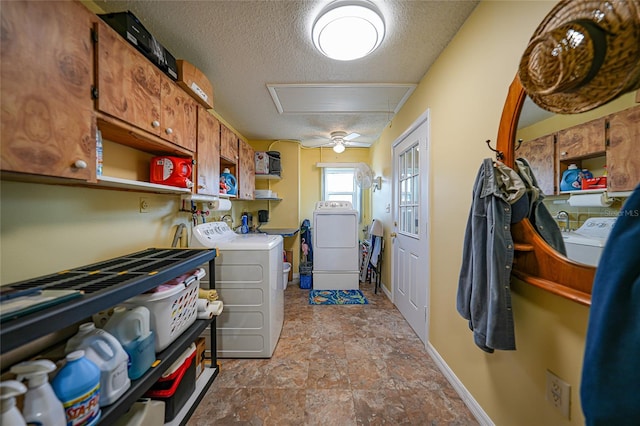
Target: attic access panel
{"type": "Point", "coordinates": [385, 98]}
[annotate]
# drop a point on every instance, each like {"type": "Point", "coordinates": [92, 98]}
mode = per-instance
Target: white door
{"type": "Point", "coordinates": [410, 269]}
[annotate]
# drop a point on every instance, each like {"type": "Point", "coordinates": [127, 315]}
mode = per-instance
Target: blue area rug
{"type": "Point", "coordinates": [337, 297]}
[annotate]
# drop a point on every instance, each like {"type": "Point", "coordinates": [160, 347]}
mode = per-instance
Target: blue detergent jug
{"type": "Point", "coordinates": [570, 179]}
{"type": "Point", "coordinates": [228, 184]}
{"type": "Point", "coordinates": [77, 386]}
{"type": "Point", "coordinates": [244, 229]}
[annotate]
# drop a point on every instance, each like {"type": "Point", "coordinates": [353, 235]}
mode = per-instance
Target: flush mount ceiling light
{"type": "Point", "coordinates": [348, 30]}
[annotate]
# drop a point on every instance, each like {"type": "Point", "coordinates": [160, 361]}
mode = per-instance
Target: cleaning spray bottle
{"type": "Point", "coordinates": [41, 406]}
{"type": "Point", "coordinates": [9, 413]}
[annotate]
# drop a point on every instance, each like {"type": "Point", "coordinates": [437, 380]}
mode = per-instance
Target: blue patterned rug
{"type": "Point", "coordinates": [337, 297]}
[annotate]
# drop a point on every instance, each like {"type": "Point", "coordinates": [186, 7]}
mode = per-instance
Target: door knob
{"type": "Point", "coordinates": [393, 235]}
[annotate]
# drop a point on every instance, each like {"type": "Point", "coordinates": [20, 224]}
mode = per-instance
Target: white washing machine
{"type": "Point", "coordinates": [586, 243]}
{"type": "Point", "coordinates": [249, 282]}
{"type": "Point", "coordinates": [335, 246]}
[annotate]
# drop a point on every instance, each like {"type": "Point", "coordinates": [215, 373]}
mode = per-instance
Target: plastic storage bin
{"type": "Point", "coordinates": [173, 309]}
{"type": "Point", "coordinates": [306, 281]}
{"type": "Point", "coordinates": [177, 384]}
{"type": "Point", "coordinates": [286, 267]}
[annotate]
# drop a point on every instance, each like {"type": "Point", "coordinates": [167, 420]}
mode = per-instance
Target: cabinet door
{"type": "Point", "coordinates": [228, 144]}
{"type": "Point", "coordinates": [178, 121]}
{"type": "Point", "coordinates": [47, 123]}
{"type": "Point", "coordinates": [247, 171]}
{"type": "Point", "coordinates": [540, 155]}
{"type": "Point", "coordinates": [208, 154]}
{"type": "Point", "coordinates": [584, 140]}
{"type": "Point", "coordinates": [623, 155]}
{"type": "Point", "coordinates": [128, 84]}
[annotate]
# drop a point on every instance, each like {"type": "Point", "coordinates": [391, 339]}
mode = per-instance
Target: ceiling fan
{"type": "Point", "coordinates": [339, 140]}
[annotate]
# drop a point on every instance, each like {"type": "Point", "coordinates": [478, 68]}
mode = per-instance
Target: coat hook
{"type": "Point", "coordinates": [499, 154]}
{"type": "Point", "coordinates": [519, 143]}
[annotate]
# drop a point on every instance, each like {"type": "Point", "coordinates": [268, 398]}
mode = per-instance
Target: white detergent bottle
{"type": "Point", "coordinates": [41, 405]}
{"type": "Point", "coordinates": [9, 413]}
{"type": "Point", "coordinates": [132, 329]}
{"type": "Point", "coordinates": [107, 353]}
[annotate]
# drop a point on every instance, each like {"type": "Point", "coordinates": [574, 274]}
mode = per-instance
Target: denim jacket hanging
{"type": "Point", "coordinates": [484, 294]}
{"type": "Point", "coordinates": [539, 215]}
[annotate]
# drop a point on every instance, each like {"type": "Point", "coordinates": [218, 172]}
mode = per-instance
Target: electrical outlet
{"type": "Point", "coordinates": [559, 393]}
{"type": "Point", "coordinates": [144, 205]}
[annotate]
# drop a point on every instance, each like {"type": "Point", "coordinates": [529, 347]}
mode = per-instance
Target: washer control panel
{"type": "Point", "coordinates": [597, 227]}
{"type": "Point", "coordinates": [211, 233]}
{"type": "Point", "coordinates": [342, 205]}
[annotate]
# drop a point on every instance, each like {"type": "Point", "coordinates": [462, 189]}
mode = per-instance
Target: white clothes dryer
{"type": "Point", "coordinates": [335, 246]}
{"type": "Point", "coordinates": [249, 281]}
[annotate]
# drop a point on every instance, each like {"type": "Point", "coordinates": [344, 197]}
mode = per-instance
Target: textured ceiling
{"type": "Point", "coordinates": [244, 46]}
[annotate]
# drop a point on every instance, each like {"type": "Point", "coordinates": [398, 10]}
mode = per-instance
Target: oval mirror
{"type": "Point", "coordinates": [578, 198]}
{"type": "Point", "coordinates": [535, 261]}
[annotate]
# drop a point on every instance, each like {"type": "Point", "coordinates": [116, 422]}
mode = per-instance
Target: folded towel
{"type": "Point", "coordinates": [214, 308]}
{"type": "Point", "coordinates": [210, 295]}
{"type": "Point", "coordinates": [203, 305]}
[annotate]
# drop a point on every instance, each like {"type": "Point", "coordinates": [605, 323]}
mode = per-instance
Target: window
{"type": "Point", "coordinates": [409, 191]}
{"type": "Point", "coordinates": [339, 184]}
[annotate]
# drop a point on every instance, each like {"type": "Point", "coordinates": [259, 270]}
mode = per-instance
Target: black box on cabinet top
{"type": "Point", "coordinates": [128, 26]}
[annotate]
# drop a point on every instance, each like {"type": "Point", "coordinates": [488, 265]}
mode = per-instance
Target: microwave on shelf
{"type": "Point", "coordinates": [268, 163]}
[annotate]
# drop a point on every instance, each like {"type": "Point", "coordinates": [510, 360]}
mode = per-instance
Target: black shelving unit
{"type": "Point", "coordinates": [106, 284]}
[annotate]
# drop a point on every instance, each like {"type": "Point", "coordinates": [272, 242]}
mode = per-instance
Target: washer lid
{"type": "Point", "coordinates": [251, 242]}
{"type": "Point", "coordinates": [574, 238]}
{"type": "Point", "coordinates": [219, 235]}
{"type": "Point", "coordinates": [594, 232]}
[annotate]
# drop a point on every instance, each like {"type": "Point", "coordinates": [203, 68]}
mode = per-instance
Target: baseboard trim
{"type": "Point", "coordinates": [465, 395]}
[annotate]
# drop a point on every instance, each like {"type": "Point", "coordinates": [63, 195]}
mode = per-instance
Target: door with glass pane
{"type": "Point", "coordinates": [410, 242]}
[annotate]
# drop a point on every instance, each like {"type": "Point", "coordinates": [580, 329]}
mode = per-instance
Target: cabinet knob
{"type": "Point", "coordinates": [80, 164]}
{"type": "Point", "coordinates": [169, 130]}
{"type": "Point", "coordinates": [564, 153]}
{"type": "Point", "coordinates": [155, 123]}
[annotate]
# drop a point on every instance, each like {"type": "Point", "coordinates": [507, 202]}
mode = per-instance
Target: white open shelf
{"type": "Point", "coordinates": [268, 177]}
{"type": "Point", "coordinates": [114, 182]}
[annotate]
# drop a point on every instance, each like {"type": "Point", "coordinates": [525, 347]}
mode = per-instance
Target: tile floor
{"type": "Point", "coordinates": [336, 365]}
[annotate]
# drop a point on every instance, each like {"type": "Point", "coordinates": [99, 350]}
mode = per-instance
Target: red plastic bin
{"type": "Point", "coordinates": [595, 183]}
{"type": "Point", "coordinates": [177, 386]}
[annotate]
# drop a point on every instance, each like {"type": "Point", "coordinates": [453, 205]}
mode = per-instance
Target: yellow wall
{"type": "Point", "coordinates": [49, 228]}
{"type": "Point", "coordinates": [559, 122]}
{"type": "Point", "coordinates": [465, 92]}
{"type": "Point", "coordinates": [311, 177]}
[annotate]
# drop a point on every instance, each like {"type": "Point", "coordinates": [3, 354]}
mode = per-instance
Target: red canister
{"type": "Point", "coordinates": [173, 171]}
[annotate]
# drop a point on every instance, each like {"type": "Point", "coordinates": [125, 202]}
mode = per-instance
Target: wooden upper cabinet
{"type": "Point", "coordinates": [208, 154]}
{"type": "Point", "coordinates": [128, 84]}
{"type": "Point", "coordinates": [48, 125]}
{"type": "Point", "coordinates": [179, 115]}
{"type": "Point", "coordinates": [247, 171]}
{"type": "Point", "coordinates": [623, 158]}
{"type": "Point", "coordinates": [584, 140]}
{"type": "Point", "coordinates": [228, 144]}
{"type": "Point", "coordinates": [132, 89]}
{"type": "Point", "coordinates": [540, 155]}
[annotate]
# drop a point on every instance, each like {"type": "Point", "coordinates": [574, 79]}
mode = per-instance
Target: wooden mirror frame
{"type": "Point", "coordinates": [534, 261]}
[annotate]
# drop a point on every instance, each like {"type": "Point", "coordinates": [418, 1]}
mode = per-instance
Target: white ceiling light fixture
{"type": "Point", "coordinates": [348, 30]}
{"type": "Point", "coordinates": [338, 139]}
